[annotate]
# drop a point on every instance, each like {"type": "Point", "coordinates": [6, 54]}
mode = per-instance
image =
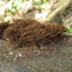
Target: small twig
{"type": "Point", "coordinates": [68, 34]}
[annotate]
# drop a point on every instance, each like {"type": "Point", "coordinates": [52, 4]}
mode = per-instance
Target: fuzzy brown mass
{"type": "Point", "coordinates": [27, 32]}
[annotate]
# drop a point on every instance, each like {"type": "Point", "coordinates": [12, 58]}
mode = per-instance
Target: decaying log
{"type": "Point", "coordinates": [61, 5]}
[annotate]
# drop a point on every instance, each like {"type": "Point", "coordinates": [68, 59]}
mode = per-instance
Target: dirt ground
{"type": "Point", "coordinates": [54, 57]}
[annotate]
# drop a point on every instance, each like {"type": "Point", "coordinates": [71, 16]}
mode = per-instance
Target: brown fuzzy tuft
{"type": "Point", "coordinates": [30, 32]}
{"type": "Point", "coordinates": [3, 27]}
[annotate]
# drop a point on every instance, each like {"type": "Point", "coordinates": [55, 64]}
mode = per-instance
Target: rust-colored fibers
{"type": "Point", "coordinates": [28, 32]}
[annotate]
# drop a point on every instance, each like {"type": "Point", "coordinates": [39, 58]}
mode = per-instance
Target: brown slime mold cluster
{"type": "Point", "coordinates": [28, 32]}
